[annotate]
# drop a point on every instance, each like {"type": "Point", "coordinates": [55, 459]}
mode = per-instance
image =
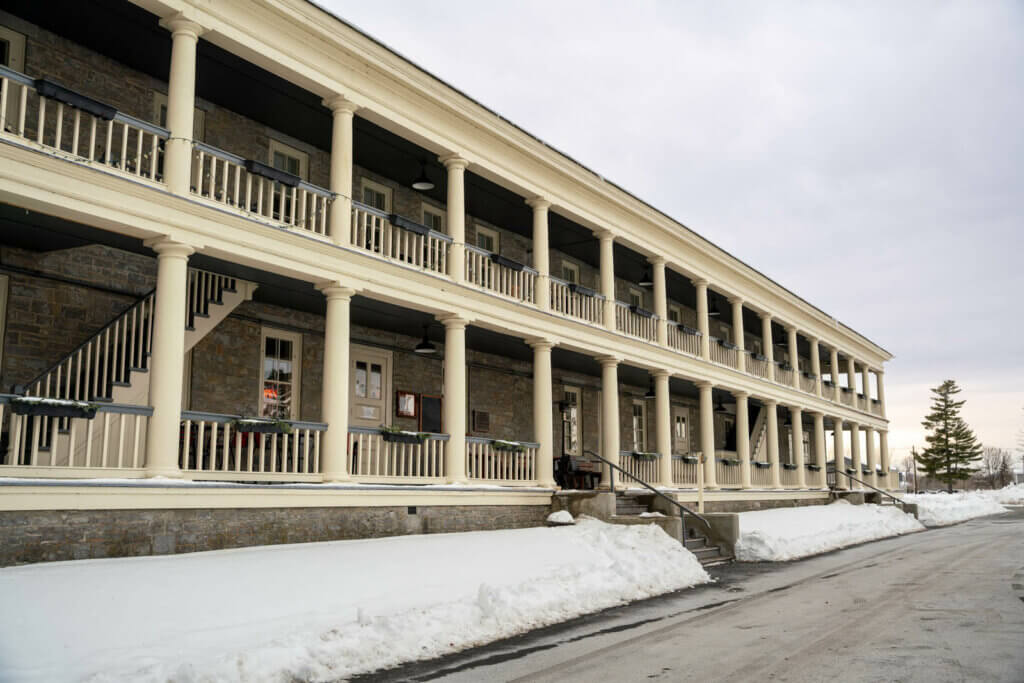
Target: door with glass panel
{"type": "Point", "coordinates": [281, 374]}
{"type": "Point", "coordinates": [370, 380]}
{"type": "Point", "coordinates": [680, 435]}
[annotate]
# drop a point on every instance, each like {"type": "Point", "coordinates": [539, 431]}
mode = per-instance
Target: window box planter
{"type": "Point", "coordinates": [761, 465]}
{"type": "Point", "coordinates": [261, 169]}
{"type": "Point", "coordinates": [759, 356]}
{"type": "Point", "coordinates": [580, 289]}
{"type": "Point", "coordinates": [827, 382]}
{"type": "Point", "coordinates": [875, 401]}
{"type": "Point", "coordinates": [259, 426]}
{"type": "Point", "coordinates": [727, 345]}
{"type": "Point", "coordinates": [812, 467]}
{"type": "Point", "coordinates": [784, 366]}
{"type": "Point", "coordinates": [392, 435]}
{"type": "Point", "coordinates": [729, 462]}
{"type": "Point", "coordinates": [410, 225]}
{"type": "Point", "coordinates": [52, 407]}
{"type": "Point", "coordinates": [641, 455]}
{"type": "Point", "coordinates": [507, 446]}
{"type": "Point", "coordinates": [507, 262]}
{"type": "Point", "coordinates": [689, 459]}
{"type": "Point", "coordinates": [788, 466]}
{"type": "Point", "coordinates": [809, 375]}
{"type": "Point", "coordinates": [689, 330]}
{"type": "Point", "coordinates": [642, 312]}
{"type": "Point", "coordinates": [850, 470]}
{"type": "Point", "coordinates": [865, 470]}
{"type": "Point", "coordinates": [846, 390]}
{"type": "Point", "coordinates": [55, 91]}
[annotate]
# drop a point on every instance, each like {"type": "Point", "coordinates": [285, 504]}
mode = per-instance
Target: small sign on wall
{"type": "Point", "coordinates": [405, 404]}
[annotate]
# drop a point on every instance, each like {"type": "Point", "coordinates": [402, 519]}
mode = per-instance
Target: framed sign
{"type": "Point", "coordinates": [405, 404]}
{"type": "Point", "coordinates": [430, 414]}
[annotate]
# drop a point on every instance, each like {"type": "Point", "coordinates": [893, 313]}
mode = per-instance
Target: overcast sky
{"type": "Point", "coordinates": [869, 157]}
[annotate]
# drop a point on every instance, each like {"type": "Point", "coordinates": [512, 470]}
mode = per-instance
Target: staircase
{"type": "Point", "coordinates": [629, 508]}
{"type": "Point", "coordinates": [759, 437]}
{"type": "Point", "coordinates": [113, 364]}
{"type": "Point", "coordinates": [708, 555]}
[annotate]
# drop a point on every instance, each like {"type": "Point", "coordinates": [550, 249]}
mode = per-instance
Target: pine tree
{"type": "Point", "coordinates": [952, 446]}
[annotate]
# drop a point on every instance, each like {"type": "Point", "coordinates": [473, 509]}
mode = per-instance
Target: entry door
{"type": "Point", "coordinates": [370, 382]}
{"type": "Point", "coordinates": [680, 430]}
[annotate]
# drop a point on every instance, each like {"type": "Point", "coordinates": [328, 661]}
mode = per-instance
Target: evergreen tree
{"type": "Point", "coordinates": [952, 446]}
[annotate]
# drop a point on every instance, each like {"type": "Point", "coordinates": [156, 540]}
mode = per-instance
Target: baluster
{"type": "Point", "coordinates": [4, 88]}
{"type": "Point", "coordinates": [74, 132]}
{"type": "Point", "coordinates": [92, 139]}
{"type": "Point", "coordinates": [138, 152]}
{"type": "Point", "coordinates": [41, 121]}
{"type": "Point", "coordinates": [124, 147]}
{"type": "Point", "coordinates": [235, 198]}
{"type": "Point", "coordinates": [60, 125]}
{"type": "Point", "coordinates": [248, 191]}
{"type": "Point", "coordinates": [108, 142]}
{"type": "Point", "coordinates": [23, 110]}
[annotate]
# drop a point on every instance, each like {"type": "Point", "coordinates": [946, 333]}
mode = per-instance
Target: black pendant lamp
{"type": "Point", "coordinates": [650, 389]}
{"type": "Point", "coordinates": [647, 280]}
{"type": "Point", "coordinates": [422, 182]}
{"type": "Point", "coordinates": [425, 347]}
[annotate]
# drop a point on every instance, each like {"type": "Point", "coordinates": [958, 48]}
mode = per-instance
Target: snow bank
{"type": "Point", "coordinates": [561, 517]}
{"type": "Point", "coordinates": [321, 611]}
{"type": "Point", "coordinates": [791, 533]}
{"type": "Point", "coordinates": [941, 509]}
{"type": "Point", "coordinates": [1010, 495]}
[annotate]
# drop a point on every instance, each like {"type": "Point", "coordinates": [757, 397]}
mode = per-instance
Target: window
{"type": "Point", "coordinates": [675, 314]}
{"type": "Point", "coordinates": [433, 218]}
{"type": "Point", "coordinates": [724, 333]}
{"type": "Point", "coordinates": [288, 159]}
{"type": "Point", "coordinates": [755, 347]}
{"type": "Point", "coordinates": [570, 273]}
{"type": "Point", "coordinates": [636, 298]}
{"type": "Point", "coordinates": [639, 426]}
{"type": "Point", "coordinates": [4, 284]}
{"type": "Point", "coordinates": [375, 195]}
{"type": "Point", "coordinates": [280, 381]}
{"type": "Point", "coordinates": [198, 116]}
{"type": "Point", "coordinates": [571, 421]}
{"type": "Point", "coordinates": [12, 55]}
{"type": "Point", "coordinates": [807, 446]}
{"type": "Point", "coordinates": [680, 435]}
{"type": "Point", "coordinates": [488, 239]}
{"type": "Point", "coordinates": [730, 433]}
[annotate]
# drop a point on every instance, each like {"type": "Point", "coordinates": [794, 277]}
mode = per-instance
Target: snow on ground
{"type": "Point", "coordinates": [560, 517]}
{"type": "Point", "coordinates": [321, 611]}
{"type": "Point", "coordinates": [942, 509]}
{"type": "Point", "coordinates": [791, 533]}
{"type": "Point", "coordinates": [1010, 495]}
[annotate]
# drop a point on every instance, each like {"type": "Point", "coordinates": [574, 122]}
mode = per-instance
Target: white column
{"type": "Point", "coordinates": [796, 416]}
{"type": "Point", "coordinates": [855, 455]}
{"type": "Point", "coordinates": [767, 343]}
{"type": "Point", "coordinates": [660, 298]}
{"type": "Point", "coordinates": [865, 376]}
{"type": "Point", "coordinates": [703, 324]}
{"type": "Point", "coordinates": [663, 426]}
{"type": "Point", "coordinates": [743, 436]}
{"type": "Point", "coordinates": [851, 377]}
{"type": "Point", "coordinates": [181, 102]}
{"type": "Point", "coordinates": [456, 209]}
{"type": "Point", "coordinates": [340, 216]}
{"type": "Point", "coordinates": [543, 427]}
{"type": "Point", "coordinates": [335, 387]}
{"type": "Point", "coordinates": [608, 276]}
{"type": "Point", "coordinates": [167, 360]}
{"type": "Point", "coordinates": [880, 375]}
{"type": "Point", "coordinates": [883, 450]}
{"type": "Point", "coordinates": [541, 254]}
{"type": "Point", "coordinates": [872, 456]}
{"type": "Point", "coordinates": [834, 372]}
{"type": "Point", "coordinates": [794, 356]}
{"type": "Point", "coordinates": [772, 424]}
{"type": "Point", "coordinates": [842, 482]}
{"type": "Point", "coordinates": [707, 434]}
{"type": "Point", "coordinates": [819, 450]}
{"type": "Point", "coordinates": [610, 443]}
{"type": "Point", "coordinates": [737, 332]}
{"type": "Point", "coordinates": [816, 365]}
{"type": "Point", "coordinates": [454, 405]}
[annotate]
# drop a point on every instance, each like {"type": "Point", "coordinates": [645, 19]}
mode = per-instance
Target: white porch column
{"type": "Point", "coordinates": [767, 344]}
{"type": "Point", "coordinates": [883, 450]}
{"type": "Point", "coordinates": [541, 253]}
{"type": "Point", "coordinates": [608, 276]}
{"type": "Point", "coordinates": [794, 356]}
{"type": "Point", "coordinates": [816, 365]}
{"type": "Point", "coordinates": [842, 482]}
{"type": "Point", "coordinates": [167, 361]}
{"type": "Point", "coordinates": [796, 416]}
{"type": "Point", "coordinates": [880, 375]}
{"type": "Point", "coordinates": [453, 413]}
{"type": "Point", "coordinates": [181, 102]}
{"type": "Point", "coordinates": [855, 455]}
{"type": "Point", "coordinates": [743, 436]}
{"type": "Point", "coordinates": [703, 324]}
{"type": "Point", "coordinates": [872, 456]}
{"type": "Point", "coordinates": [851, 377]}
{"type": "Point", "coordinates": [771, 407]}
{"type": "Point", "coordinates": [340, 216]}
{"type": "Point", "coordinates": [819, 450]}
{"type": "Point", "coordinates": [707, 434]}
{"type": "Point", "coordinates": [663, 426]}
{"type": "Point", "coordinates": [834, 372]}
{"type": "Point", "coordinates": [739, 335]}
{"type": "Point", "coordinates": [543, 427]}
{"type": "Point", "coordinates": [610, 442]}
{"type": "Point", "coordinates": [660, 298]}
{"type": "Point", "coordinates": [334, 389]}
{"type": "Point", "coordinates": [865, 375]}
{"type": "Point", "coordinates": [456, 208]}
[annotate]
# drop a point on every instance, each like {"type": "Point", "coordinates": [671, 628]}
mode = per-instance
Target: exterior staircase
{"type": "Point", "coordinates": [629, 508]}
{"type": "Point", "coordinates": [759, 437]}
{"type": "Point", "coordinates": [113, 365]}
{"type": "Point", "coordinates": [709, 555]}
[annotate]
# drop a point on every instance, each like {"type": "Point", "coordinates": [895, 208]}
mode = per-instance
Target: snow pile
{"type": "Point", "coordinates": [1010, 495]}
{"type": "Point", "coordinates": [941, 509]}
{"type": "Point", "coordinates": [321, 611]}
{"type": "Point", "coordinates": [561, 517]}
{"type": "Point", "coordinates": [790, 533]}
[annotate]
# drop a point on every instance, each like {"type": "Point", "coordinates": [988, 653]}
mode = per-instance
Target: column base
{"type": "Point", "coordinates": [337, 477]}
{"type": "Point", "coordinates": [167, 473]}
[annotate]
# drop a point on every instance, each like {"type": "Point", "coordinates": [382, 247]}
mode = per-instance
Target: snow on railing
{"type": "Point", "coordinates": [636, 322]}
{"type": "Point", "coordinates": [499, 275]}
{"type": "Point", "coordinates": [577, 302]}
{"type": "Point", "coordinates": [396, 456]}
{"type": "Point", "coordinates": [501, 462]}
{"type": "Point", "coordinates": [639, 466]}
{"type": "Point", "coordinates": [409, 243]}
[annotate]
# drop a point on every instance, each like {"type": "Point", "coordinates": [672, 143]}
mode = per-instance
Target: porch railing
{"type": "Point", "coordinates": [760, 477]}
{"type": "Point", "coordinates": [727, 470]}
{"type": "Point", "coordinates": [515, 282]}
{"type": "Point", "coordinates": [222, 447]}
{"type": "Point", "coordinates": [112, 442]}
{"type": "Point", "coordinates": [790, 477]}
{"type": "Point", "coordinates": [784, 375]}
{"type": "Point", "coordinates": [420, 461]}
{"type": "Point", "coordinates": [846, 397]}
{"type": "Point", "coordinates": [635, 324]}
{"type": "Point", "coordinates": [70, 123]}
{"type": "Point", "coordinates": [639, 466]}
{"type": "Point", "coordinates": [875, 407]}
{"type": "Point", "coordinates": [724, 355]}
{"type": "Point", "coordinates": [226, 179]}
{"type": "Point", "coordinates": [808, 384]}
{"type": "Point", "coordinates": [572, 302]}
{"type": "Point", "coordinates": [682, 338]}
{"type": "Point", "coordinates": [500, 463]}
{"type": "Point", "coordinates": [684, 470]}
{"type": "Point", "coordinates": [415, 245]}
{"type": "Point", "coordinates": [758, 367]}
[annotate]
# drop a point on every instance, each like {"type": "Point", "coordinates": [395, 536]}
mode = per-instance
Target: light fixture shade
{"type": "Point", "coordinates": [647, 280]}
{"type": "Point", "coordinates": [650, 390]}
{"type": "Point", "coordinates": [425, 347]}
{"type": "Point", "coordinates": [713, 308]}
{"type": "Point", "coordinates": [422, 182]}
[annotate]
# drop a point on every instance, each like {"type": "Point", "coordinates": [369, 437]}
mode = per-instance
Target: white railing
{"type": "Point", "coordinates": [639, 466]}
{"type": "Point", "coordinates": [723, 354]}
{"type": "Point", "coordinates": [758, 367]}
{"type": "Point", "coordinates": [226, 179]}
{"type": "Point", "coordinates": [226, 447]}
{"type": "Point", "coordinates": [635, 324]}
{"type": "Point", "coordinates": [682, 338]}
{"type": "Point", "coordinates": [784, 375]}
{"type": "Point", "coordinates": [875, 407]}
{"type": "Point", "coordinates": [418, 460]}
{"type": "Point", "coordinates": [90, 132]}
{"type": "Point", "coordinates": [814, 479]}
{"type": "Point", "coordinates": [760, 477]}
{"type": "Point", "coordinates": [500, 463]}
{"type": "Point", "coordinates": [684, 472]}
{"type": "Point", "coordinates": [111, 443]}
{"type": "Point", "coordinates": [808, 384]}
{"type": "Point", "coordinates": [728, 470]}
{"type": "Point", "coordinates": [414, 244]}
{"type": "Point", "coordinates": [576, 303]}
{"type": "Point", "coordinates": [846, 397]}
{"type": "Point", "coordinates": [485, 272]}
{"type": "Point", "coordinates": [790, 477]}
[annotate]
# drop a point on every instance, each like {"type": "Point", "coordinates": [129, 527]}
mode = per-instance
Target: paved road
{"type": "Point", "coordinates": [941, 605]}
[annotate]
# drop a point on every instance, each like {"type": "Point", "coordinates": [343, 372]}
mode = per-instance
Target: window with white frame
{"type": "Point", "coordinates": [12, 55]}
{"type": "Point", "coordinates": [636, 297]}
{"type": "Point", "coordinates": [198, 116]}
{"type": "Point", "coordinates": [570, 273]}
{"type": "Point", "coordinates": [571, 421]}
{"type": "Point", "coordinates": [288, 159]}
{"type": "Point", "coordinates": [375, 195]}
{"type": "Point", "coordinates": [488, 239]}
{"type": "Point", "coordinates": [281, 371]}
{"type": "Point", "coordinates": [724, 333]}
{"type": "Point", "coordinates": [639, 426]}
{"type": "Point", "coordinates": [675, 314]}
{"type": "Point", "coordinates": [433, 218]}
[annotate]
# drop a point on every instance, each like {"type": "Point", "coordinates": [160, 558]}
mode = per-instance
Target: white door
{"type": "Point", "coordinates": [370, 383]}
{"type": "Point", "coordinates": [680, 431]}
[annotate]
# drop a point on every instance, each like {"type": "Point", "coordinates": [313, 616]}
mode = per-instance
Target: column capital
{"type": "Point", "coordinates": [704, 384]}
{"type": "Point", "coordinates": [741, 394]}
{"type": "Point", "coordinates": [852, 425]}
{"type": "Point", "coordinates": [770, 402]}
{"type": "Point", "coordinates": [339, 104]}
{"type": "Point", "coordinates": [607, 361]}
{"type": "Point", "coordinates": [538, 203]}
{"type": "Point", "coordinates": [656, 260]}
{"type": "Point", "coordinates": [165, 246]}
{"type": "Point", "coordinates": [179, 24]}
{"type": "Point", "coordinates": [335, 289]}
{"type": "Point", "coordinates": [811, 340]}
{"type": "Point", "coordinates": [453, 320]}
{"type": "Point", "coordinates": [700, 282]}
{"type": "Point", "coordinates": [735, 300]}
{"type": "Point", "coordinates": [796, 410]}
{"type": "Point", "coordinates": [604, 234]}
{"type": "Point", "coordinates": [766, 316]}
{"type": "Point", "coordinates": [816, 414]}
{"type": "Point", "coordinates": [540, 343]}
{"type": "Point", "coordinates": [837, 422]}
{"type": "Point", "coordinates": [659, 373]}
{"type": "Point", "coordinates": [868, 429]}
{"type": "Point", "coordinates": [789, 327]}
{"type": "Point", "coordinates": [453, 160]}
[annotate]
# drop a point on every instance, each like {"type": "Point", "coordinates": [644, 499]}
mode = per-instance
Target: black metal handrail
{"type": "Point", "coordinates": [884, 493]}
{"type": "Point", "coordinates": [682, 508]}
